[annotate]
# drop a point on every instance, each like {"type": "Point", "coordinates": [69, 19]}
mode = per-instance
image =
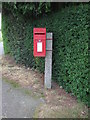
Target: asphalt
{"type": "Point", "coordinates": [15, 102]}
{"type": "Point", "coordinates": [1, 53]}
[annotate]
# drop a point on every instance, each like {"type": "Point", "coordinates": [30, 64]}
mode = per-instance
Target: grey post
{"type": "Point", "coordinates": [48, 61]}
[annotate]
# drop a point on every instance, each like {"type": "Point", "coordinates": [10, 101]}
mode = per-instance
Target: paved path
{"type": "Point", "coordinates": [1, 52]}
{"type": "Point", "coordinates": [15, 103]}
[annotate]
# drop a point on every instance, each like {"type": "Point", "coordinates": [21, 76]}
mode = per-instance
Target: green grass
{"type": "Point", "coordinates": [42, 95]}
{"type": "Point", "coordinates": [28, 92]}
{"type": "Point", "coordinates": [62, 112]}
{"type": "Point", "coordinates": [1, 40]}
{"type": "Point", "coordinates": [24, 90]}
{"type": "Point", "coordinates": [33, 94]}
{"type": "Point", "coordinates": [13, 83]}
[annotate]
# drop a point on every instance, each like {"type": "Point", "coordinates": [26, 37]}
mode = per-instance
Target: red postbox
{"type": "Point", "coordinates": [39, 36]}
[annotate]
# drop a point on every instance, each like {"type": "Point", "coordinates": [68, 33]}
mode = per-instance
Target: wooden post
{"type": "Point", "coordinates": [48, 61]}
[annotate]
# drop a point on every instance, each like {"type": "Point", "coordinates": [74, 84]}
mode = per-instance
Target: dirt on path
{"type": "Point", "coordinates": [58, 103]}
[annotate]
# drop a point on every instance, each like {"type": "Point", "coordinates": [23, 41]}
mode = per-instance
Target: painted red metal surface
{"type": "Point", "coordinates": [39, 41]}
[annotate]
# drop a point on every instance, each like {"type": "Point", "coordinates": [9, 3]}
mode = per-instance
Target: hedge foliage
{"type": "Point", "coordinates": [33, 9]}
{"type": "Point", "coordinates": [70, 45]}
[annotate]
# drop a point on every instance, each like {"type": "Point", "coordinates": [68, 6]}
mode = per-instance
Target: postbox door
{"type": "Point", "coordinates": [39, 48]}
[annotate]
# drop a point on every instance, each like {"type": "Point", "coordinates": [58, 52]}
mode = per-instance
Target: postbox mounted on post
{"type": "Point", "coordinates": [39, 37]}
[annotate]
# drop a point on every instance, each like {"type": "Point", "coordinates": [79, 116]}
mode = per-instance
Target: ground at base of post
{"type": "Point", "coordinates": [57, 103]}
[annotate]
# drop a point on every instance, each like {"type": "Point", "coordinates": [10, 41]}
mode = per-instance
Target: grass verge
{"type": "Point", "coordinates": [13, 83]}
{"type": "Point", "coordinates": [47, 111]}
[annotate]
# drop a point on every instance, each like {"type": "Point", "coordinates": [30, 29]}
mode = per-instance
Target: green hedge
{"type": "Point", "coordinates": [70, 45]}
